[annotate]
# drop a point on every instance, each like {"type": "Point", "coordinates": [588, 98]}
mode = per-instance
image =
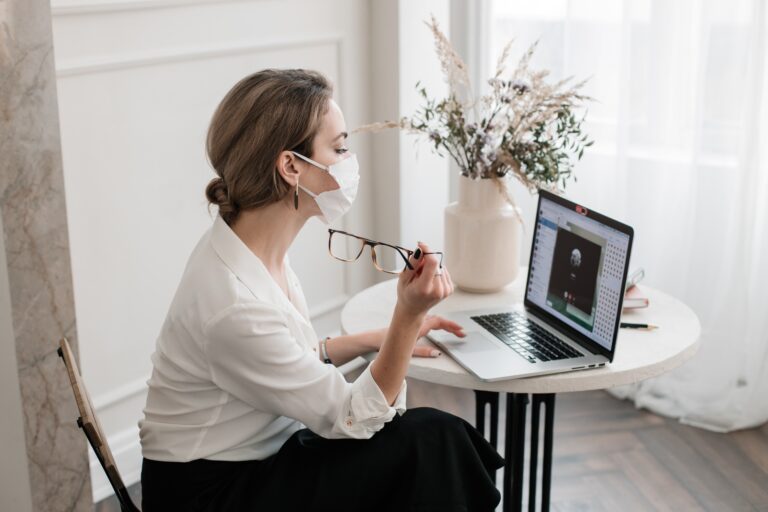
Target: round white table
{"type": "Point", "coordinates": [639, 355]}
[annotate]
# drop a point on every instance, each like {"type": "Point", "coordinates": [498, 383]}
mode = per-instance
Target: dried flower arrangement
{"type": "Point", "coordinates": [524, 125]}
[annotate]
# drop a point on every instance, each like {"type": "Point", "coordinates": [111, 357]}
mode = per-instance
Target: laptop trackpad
{"type": "Point", "coordinates": [470, 344]}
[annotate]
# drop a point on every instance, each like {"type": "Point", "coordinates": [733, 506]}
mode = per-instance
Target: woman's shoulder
{"type": "Point", "coordinates": [206, 285]}
{"type": "Point", "coordinates": [209, 287]}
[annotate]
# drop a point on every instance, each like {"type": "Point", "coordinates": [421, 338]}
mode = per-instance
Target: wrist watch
{"type": "Point", "coordinates": [324, 351]}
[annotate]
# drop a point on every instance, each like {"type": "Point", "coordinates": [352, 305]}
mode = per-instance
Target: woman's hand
{"type": "Point", "coordinates": [424, 286]}
{"type": "Point", "coordinates": [433, 322]}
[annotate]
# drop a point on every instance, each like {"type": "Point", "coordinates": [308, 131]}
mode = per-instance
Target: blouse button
{"type": "Point", "coordinates": [349, 422]}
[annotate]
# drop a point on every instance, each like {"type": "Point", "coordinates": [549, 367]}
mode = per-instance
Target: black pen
{"type": "Point", "coordinates": [647, 327]}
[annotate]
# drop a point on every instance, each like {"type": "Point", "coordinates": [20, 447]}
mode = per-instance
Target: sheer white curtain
{"type": "Point", "coordinates": [681, 128]}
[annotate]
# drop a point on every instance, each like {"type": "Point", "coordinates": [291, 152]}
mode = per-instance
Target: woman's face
{"type": "Point", "coordinates": [328, 147]}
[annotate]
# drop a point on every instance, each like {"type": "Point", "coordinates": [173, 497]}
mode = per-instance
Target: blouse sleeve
{"type": "Point", "coordinates": [255, 357]}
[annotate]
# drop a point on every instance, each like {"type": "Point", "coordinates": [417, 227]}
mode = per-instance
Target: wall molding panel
{"type": "Point", "coordinates": [64, 8]}
{"type": "Point", "coordinates": [66, 69]}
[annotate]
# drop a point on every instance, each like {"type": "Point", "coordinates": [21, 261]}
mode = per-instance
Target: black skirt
{"type": "Point", "coordinates": [424, 460]}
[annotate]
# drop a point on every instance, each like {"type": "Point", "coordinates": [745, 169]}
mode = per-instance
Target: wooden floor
{"type": "Point", "coordinates": [608, 456]}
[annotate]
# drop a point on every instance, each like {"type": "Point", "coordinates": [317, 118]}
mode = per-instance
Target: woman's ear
{"type": "Point", "coordinates": [286, 167]}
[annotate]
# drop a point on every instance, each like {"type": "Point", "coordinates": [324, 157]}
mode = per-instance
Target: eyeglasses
{"type": "Point", "coordinates": [388, 258]}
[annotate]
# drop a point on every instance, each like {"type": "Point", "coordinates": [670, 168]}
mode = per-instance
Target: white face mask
{"type": "Point", "coordinates": [335, 203]}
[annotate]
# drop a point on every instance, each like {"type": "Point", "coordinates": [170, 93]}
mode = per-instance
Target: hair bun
{"type": "Point", "coordinates": [216, 192]}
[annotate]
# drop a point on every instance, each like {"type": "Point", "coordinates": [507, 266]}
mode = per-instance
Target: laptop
{"type": "Point", "coordinates": [569, 319]}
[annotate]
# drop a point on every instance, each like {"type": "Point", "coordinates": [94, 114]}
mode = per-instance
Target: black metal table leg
{"type": "Point", "coordinates": [514, 444]}
{"type": "Point", "coordinates": [514, 451]}
{"type": "Point", "coordinates": [490, 398]}
{"type": "Point", "coordinates": [483, 398]}
{"type": "Point", "coordinates": [480, 412]}
{"type": "Point", "coordinates": [549, 426]}
{"type": "Point", "coordinates": [534, 442]}
{"type": "Point", "coordinates": [495, 419]}
{"type": "Point", "coordinates": [509, 447]}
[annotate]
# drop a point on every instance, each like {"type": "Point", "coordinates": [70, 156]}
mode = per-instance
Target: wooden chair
{"type": "Point", "coordinates": [92, 428]}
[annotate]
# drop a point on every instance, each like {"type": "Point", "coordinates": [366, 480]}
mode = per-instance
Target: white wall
{"type": "Point", "coordinates": [415, 183]}
{"type": "Point", "coordinates": [137, 83]}
{"type": "Point", "coordinates": [423, 184]}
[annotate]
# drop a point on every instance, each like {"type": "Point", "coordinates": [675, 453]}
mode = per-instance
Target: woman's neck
{"type": "Point", "coordinates": [269, 231]}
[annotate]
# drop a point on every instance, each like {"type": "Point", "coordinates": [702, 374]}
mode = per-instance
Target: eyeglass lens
{"type": "Point", "coordinates": [348, 248]}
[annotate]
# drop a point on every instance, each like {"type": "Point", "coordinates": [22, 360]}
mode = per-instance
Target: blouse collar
{"type": "Point", "coordinates": [251, 270]}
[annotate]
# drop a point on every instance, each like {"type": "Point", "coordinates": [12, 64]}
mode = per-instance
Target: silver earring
{"type": "Point", "coordinates": [296, 195]}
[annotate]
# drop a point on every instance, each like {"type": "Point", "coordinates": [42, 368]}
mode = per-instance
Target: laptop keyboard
{"type": "Point", "coordinates": [525, 337]}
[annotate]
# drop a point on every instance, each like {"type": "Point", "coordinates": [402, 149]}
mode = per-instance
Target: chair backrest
{"type": "Point", "coordinates": [92, 428]}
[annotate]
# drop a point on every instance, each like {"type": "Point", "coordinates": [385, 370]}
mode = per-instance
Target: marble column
{"type": "Point", "coordinates": [34, 221]}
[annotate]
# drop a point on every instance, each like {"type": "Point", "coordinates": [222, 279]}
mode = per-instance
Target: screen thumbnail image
{"type": "Point", "coordinates": [573, 282]}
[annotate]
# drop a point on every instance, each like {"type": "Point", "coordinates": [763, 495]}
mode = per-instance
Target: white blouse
{"type": "Point", "coordinates": [236, 366]}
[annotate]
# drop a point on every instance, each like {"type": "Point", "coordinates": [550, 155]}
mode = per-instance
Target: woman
{"type": "Point", "coordinates": [243, 413]}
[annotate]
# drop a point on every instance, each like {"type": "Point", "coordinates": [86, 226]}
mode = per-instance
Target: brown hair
{"type": "Point", "coordinates": [265, 113]}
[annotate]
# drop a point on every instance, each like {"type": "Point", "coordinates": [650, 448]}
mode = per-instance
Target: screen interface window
{"type": "Point", "coordinates": [577, 268]}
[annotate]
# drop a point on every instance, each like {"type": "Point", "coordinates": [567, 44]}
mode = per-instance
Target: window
{"type": "Point", "coordinates": [669, 78]}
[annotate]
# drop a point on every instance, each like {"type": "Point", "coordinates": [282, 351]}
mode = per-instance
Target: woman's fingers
{"type": "Point", "coordinates": [409, 274]}
{"type": "Point", "coordinates": [425, 351]}
{"type": "Point", "coordinates": [429, 265]}
{"type": "Point", "coordinates": [423, 284]}
{"type": "Point", "coordinates": [447, 325]}
{"type": "Point", "coordinates": [448, 278]}
{"type": "Point", "coordinates": [446, 284]}
{"type": "Point", "coordinates": [430, 286]}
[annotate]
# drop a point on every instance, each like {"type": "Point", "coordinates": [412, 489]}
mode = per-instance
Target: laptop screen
{"type": "Point", "coordinates": [578, 269]}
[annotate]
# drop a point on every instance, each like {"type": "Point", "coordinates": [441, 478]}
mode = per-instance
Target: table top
{"type": "Point", "coordinates": [639, 354]}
